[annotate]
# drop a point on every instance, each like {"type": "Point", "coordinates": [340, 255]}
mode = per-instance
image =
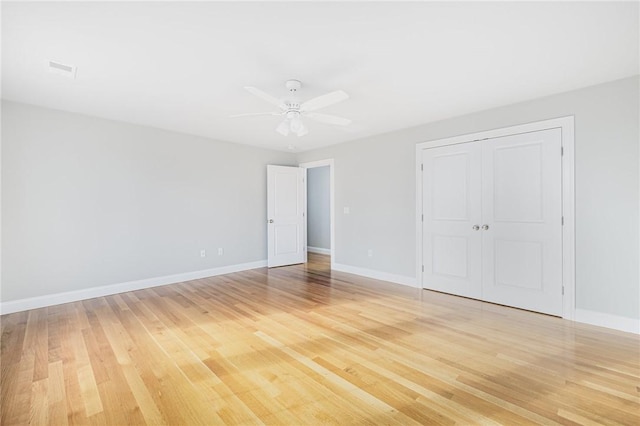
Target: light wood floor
{"type": "Point", "coordinates": [303, 345]}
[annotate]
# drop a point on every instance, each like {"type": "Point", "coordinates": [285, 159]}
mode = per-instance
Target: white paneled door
{"type": "Point", "coordinates": [493, 220]}
{"type": "Point", "coordinates": [451, 206]}
{"type": "Point", "coordinates": [286, 203]}
{"type": "Point", "coordinates": [522, 208]}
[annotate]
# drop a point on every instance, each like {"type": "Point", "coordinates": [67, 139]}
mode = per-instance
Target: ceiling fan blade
{"type": "Point", "coordinates": [329, 119]}
{"type": "Point", "coordinates": [265, 96]}
{"type": "Point", "coordinates": [324, 101]}
{"type": "Point", "coordinates": [254, 114]}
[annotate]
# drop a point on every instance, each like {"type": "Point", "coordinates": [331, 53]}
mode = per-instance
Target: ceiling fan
{"type": "Point", "coordinates": [293, 110]}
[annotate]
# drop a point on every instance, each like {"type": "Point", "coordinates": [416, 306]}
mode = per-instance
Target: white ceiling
{"type": "Point", "coordinates": [182, 66]}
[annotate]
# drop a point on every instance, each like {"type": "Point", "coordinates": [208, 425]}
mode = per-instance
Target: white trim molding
{"type": "Point", "coordinates": [601, 319]}
{"type": "Point", "coordinates": [566, 125]}
{"type": "Point", "coordinates": [378, 275]}
{"type": "Point", "coordinates": [318, 250]}
{"type": "Point", "coordinates": [107, 290]}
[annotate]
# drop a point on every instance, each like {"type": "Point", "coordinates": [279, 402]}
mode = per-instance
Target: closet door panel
{"type": "Point", "coordinates": [451, 206]}
{"type": "Point", "coordinates": [521, 214]}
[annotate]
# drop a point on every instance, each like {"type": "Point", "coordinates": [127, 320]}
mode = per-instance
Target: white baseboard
{"type": "Point", "coordinates": [107, 290]}
{"type": "Point", "coordinates": [318, 250]}
{"type": "Point", "coordinates": [616, 322]}
{"type": "Point", "coordinates": [370, 273]}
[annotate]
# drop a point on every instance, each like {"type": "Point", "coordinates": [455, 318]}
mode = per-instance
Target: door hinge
{"type": "Point", "coordinates": [422, 167]}
{"type": "Point", "coordinates": [422, 268]}
{"type": "Point", "coordinates": [561, 150]}
{"type": "Point", "coordinates": [563, 290]}
{"type": "Point", "coordinates": [422, 218]}
{"type": "Point", "coordinates": [562, 220]}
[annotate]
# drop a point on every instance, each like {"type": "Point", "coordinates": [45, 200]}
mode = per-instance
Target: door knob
{"type": "Point", "coordinates": [485, 227]}
{"type": "Point", "coordinates": [270, 220]}
{"type": "Point", "coordinates": [476, 227]}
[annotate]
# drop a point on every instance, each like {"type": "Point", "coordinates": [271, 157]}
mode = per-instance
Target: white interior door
{"type": "Point", "coordinates": [286, 230]}
{"type": "Point", "coordinates": [522, 209]}
{"type": "Point", "coordinates": [451, 206]}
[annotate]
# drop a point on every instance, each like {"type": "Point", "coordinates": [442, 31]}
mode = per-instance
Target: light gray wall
{"type": "Point", "coordinates": [318, 214]}
{"type": "Point", "coordinates": [89, 202]}
{"type": "Point", "coordinates": [375, 177]}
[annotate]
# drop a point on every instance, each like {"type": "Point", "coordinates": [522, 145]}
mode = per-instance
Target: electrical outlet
{"type": "Point", "coordinates": [220, 251]}
{"type": "Point", "coordinates": [347, 210]}
{"type": "Point", "coordinates": [203, 253]}
{"type": "Point", "coordinates": [370, 253]}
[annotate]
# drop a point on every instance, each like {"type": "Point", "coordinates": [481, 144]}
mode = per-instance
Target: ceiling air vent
{"type": "Point", "coordinates": [62, 69]}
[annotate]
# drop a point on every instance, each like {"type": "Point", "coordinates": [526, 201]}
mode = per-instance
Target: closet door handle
{"type": "Point", "coordinates": [485, 227]}
{"type": "Point", "coordinates": [476, 227]}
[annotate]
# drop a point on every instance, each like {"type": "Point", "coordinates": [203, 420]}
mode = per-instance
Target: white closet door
{"type": "Point", "coordinates": [522, 208]}
{"type": "Point", "coordinates": [451, 206]}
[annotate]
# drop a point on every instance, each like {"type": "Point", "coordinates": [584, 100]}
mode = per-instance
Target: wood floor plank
{"type": "Point", "coordinates": [307, 345]}
{"type": "Point", "coordinates": [57, 395]}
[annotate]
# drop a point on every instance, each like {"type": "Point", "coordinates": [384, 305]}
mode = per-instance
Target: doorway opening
{"type": "Point", "coordinates": [320, 209]}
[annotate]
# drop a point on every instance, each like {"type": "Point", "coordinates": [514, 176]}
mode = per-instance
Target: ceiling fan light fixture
{"type": "Point", "coordinates": [283, 128]}
{"type": "Point", "coordinates": [302, 130]}
{"type": "Point", "coordinates": [296, 124]}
